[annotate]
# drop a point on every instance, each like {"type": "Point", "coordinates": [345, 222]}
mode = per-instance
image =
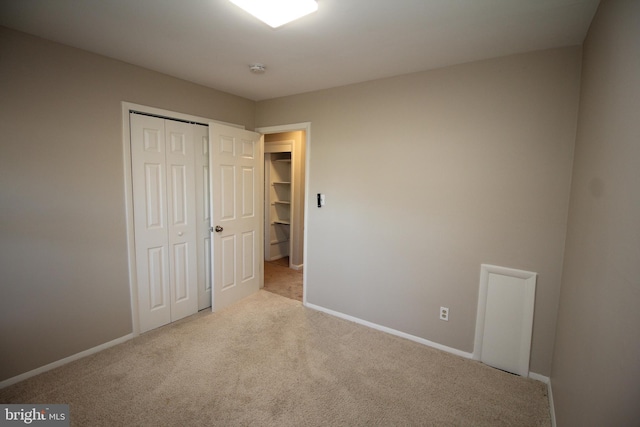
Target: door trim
{"type": "Point", "coordinates": [127, 107]}
{"type": "Point", "coordinates": [306, 127]}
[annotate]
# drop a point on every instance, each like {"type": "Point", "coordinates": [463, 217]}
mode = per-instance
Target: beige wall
{"type": "Point", "coordinates": [426, 175]}
{"type": "Point", "coordinates": [63, 251]}
{"type": "Point", "coordinates": [596, 363]}
{"type": "Point", "coordinates": [429, 175]}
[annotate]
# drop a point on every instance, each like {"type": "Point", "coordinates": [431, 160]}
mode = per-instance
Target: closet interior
{"type": "Point", "coordinates": [284, 197]}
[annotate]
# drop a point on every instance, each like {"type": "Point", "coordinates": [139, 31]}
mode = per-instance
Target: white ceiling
{"type": "Point", "coordinates": [212, 42]}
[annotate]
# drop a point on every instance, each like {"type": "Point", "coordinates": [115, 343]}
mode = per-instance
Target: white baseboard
{"type": "Point", "coordinates": [552, 407]}
{"type": "Point", "coordinates": [64, 361]}
{"type": "Point", "coordinates": [532, 375]}
{"type": "Point", "coordinates": [539, 377]}
{"type": "Point", "coordinates": [390, 331]}
{"type": "Point", "coordinates": [296, 266]}
{"type": "Point", "coordinates": [547, 381]}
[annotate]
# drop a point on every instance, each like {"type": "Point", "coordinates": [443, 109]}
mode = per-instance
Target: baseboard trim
{"type": "Point", "coordinates": [532, 375]}
{"type": "Point", "coordinates": [297, 266]}
{"type": "Point", "coordinates": [390, 331]}
{"type": "Point", "coordinates": [552, 407]}
{"type": "Point", "coordinates": [539, 377]}
{"type": "Point", "coordinates": [547, 381]}
{"type": "Point", "coordinates": [58, 363]}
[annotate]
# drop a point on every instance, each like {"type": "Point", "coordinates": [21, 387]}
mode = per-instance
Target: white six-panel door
{"type": "Point", "coordinates": [164, 199]}
{"type": "Point", "coordinates": [236, 171]}
{"type": "Point", "coordinates": [203, 216]}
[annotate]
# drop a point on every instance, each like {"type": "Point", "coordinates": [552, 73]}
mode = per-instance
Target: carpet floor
{"type": "Point", "coordinates": [269, 361]}
{"type": "Point", "coordinates": [282, 280]}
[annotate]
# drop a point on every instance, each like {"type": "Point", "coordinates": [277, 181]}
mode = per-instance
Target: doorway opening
{"type": "Point", "coordinates": [285, 196]}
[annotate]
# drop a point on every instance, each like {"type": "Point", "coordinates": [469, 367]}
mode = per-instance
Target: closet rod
{"type": "Point", "coordinates": [166, 118]}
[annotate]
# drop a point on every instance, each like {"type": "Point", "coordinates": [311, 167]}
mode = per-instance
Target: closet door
{"type": "Point", "coordinates": [148, 165]}
{"type": "Point", "coordinates": [162, 155]}
{"type": "Point", "coordinates": [236, 184]}
{"type": "Point", "coordinates": [203, 216]}
{"type": "Point", "coordinates": [181, 215]}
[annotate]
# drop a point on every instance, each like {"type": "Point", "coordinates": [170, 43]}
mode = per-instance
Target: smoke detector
{"type": "Point", "coordinates": [257, 68]}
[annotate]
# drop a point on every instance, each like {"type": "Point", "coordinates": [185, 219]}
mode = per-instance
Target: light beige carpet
{"type": "Point", "coordinates": [282, 280]}
{"type": "Point", "coordinates": [268, 361]}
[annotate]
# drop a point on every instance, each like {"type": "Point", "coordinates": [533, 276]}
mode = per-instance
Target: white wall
{"type": "Point", "coordinates": [429, 175]}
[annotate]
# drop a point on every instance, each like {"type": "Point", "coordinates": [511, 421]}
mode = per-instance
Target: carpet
{"type": "Point", "coordinates": [269, 361]}
{"type": "Point", "coordinates": [282, 280]}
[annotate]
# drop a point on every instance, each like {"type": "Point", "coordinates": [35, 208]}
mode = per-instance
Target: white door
{"type": "Point", "coordinates": [505, 318]}
{"type": "Point", "coordinates": [162, 156]}
{"type": "Point", "coordinates": [236, 187]}
{"type": "Point", "coordinates": [203, 216]}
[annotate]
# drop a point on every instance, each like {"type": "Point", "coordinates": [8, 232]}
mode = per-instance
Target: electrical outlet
{"type": "Point", "coordinates": [444, 314]}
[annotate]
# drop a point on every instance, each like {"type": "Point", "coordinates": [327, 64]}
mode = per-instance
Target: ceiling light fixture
{"type": "Point", "coordinates": [257, 68]}
{"type": "Point", "coordinates": [277, 12]}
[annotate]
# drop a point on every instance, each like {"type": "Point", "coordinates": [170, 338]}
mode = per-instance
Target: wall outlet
{"type": "Point", "coordinates": [444, 314]}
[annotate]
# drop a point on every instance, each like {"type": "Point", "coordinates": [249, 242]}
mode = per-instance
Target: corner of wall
{"type": "Point", "coordinates": [547, 381]}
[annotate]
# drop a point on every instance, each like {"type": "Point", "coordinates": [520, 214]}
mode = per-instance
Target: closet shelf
{"type": "Point", "coordinates": [276, 242]}
{"type": "Point", "coordinates": [279, 183]}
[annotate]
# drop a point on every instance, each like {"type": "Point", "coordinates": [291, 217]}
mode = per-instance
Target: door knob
{"type": "Point", "coordinates": [218, 229]}
{"type": "Point", "coordinates": [180, 233]}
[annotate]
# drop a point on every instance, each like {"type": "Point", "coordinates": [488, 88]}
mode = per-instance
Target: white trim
{"type": "Point", "coordinates": [532, 375]}
{"type": "Point", "coordinates": [390, 331]}
{"type": "Point", "coordinates": [552, 407]}
{"type": "Point", "coordinates": [58, 363]}
{"type": "Point", "coordinates": [174, 114]}
{"type": "Point", "coordinates": [539, 377]}
{"type": "Point", "coordinates": [306, 127]}
{"type": "Point", "coordinates": [547, 381]}
{"type": "Point", "coordinates": [128, 206]}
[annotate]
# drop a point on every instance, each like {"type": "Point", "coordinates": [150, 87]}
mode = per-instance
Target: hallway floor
{"type": "Point", "coordinates": [282, 280]}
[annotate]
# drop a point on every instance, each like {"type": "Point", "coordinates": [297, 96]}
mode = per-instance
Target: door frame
{"type": "Point", "coordinates": [306, 127]}
{"type": "Point", "coordinates": [127, 107]}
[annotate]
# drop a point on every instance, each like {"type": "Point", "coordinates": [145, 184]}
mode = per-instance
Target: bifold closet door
{"type": "Point", "coordinates": [163, 163]}
{"type": "Point", "coordinates": [203, 215]}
